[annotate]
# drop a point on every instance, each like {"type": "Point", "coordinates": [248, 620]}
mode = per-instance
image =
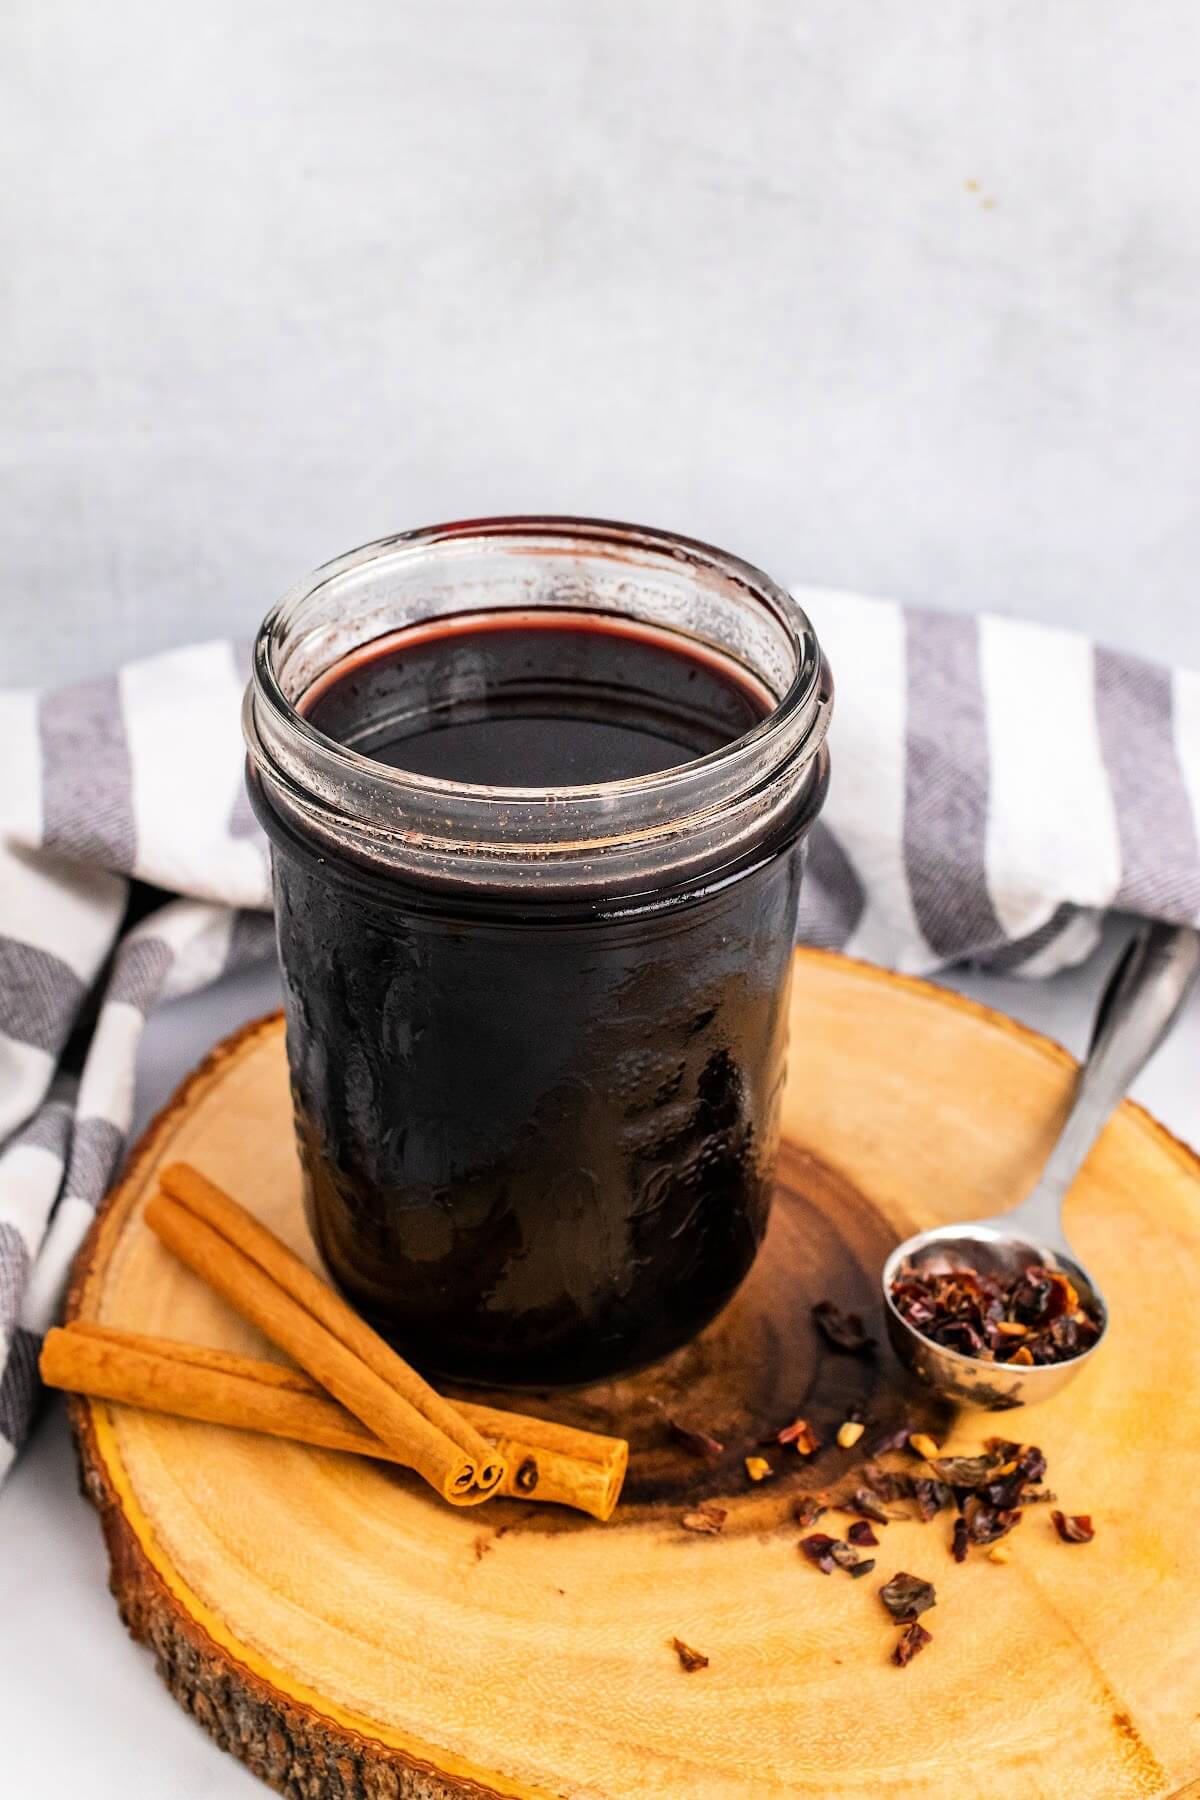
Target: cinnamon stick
{"type": "Point", "coordinates": [218, 1209]}
{"type": "Point", "coordinates": [546, 1461]}
{"type": "Point", "coordinates": [449, 1468]}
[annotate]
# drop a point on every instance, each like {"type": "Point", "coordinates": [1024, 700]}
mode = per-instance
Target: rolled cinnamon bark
{"type": "Point", "coordinates": [214, 1207]}
{"type": "Point", "coordinates": [252, 1291]}
{"type": "Point", "coordinates": [546, 1462]}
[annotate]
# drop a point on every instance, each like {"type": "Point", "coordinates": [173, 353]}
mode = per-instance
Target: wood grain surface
{"type": "Point", "coordinates": [331, 1623]}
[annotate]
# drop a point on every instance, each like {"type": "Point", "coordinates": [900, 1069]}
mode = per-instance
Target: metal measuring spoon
{"type": "Point", "coordinates": [1141, 1002]}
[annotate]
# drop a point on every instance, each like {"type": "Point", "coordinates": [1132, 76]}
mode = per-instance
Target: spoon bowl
{"type": "Point", "coordinates": [989, 1247]}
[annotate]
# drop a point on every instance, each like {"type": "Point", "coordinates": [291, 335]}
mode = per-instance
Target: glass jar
{"type": "Point", "coordinates": [536, 1035]}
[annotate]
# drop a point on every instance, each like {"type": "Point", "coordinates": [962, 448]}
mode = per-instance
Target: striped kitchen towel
{"type": "Point", "coordinates": [996, 787]}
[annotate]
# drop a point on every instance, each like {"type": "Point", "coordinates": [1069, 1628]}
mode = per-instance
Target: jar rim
{"type": "Point", "coordinates": [560, 821]}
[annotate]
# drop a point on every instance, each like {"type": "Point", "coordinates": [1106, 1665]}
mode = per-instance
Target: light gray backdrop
{"type": "Point", "coordinates": [900, 294]}
{"type": "Point", "coordinates": [900, 297]}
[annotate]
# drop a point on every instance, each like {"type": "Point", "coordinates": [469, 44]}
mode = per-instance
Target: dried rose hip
{"type": "Point", "coordinates": [985, 1524]}
{"type": "Point", "coordinates": [931, 1497]}
{"type": "Point", "coordinates": [893, 1439]}
{"type": "Point", "coordinates": [887, 1484]}
{"type": "Point", "coordinates": [698, 1442]}
{"type": "Point", "coordinates": [907, 1596]}
{"type": "Point", "coordinates": [842, 1331]}
{"type": "Point", "coordinates": [800, 1433]}
{"type": "Point", "coordinates": [860, 1533]}
{"type": "Point", "coordinates": [863, 1501]}
{"type": "Point", "coordinates": [1035, 1317]}
{"type": "Point", "coordinates": [963, 1471]}
{"type": "Point", "coordinates": [705, 1518]}
{"type": "Point", "coordinates": [1074, 1528]}
{"type": "Point", "coordinates": [807, 1510]}
{"type": "Point", "coordinates": [912, 1640]}
{"type": "Point", "coordinates": [689, 1659]}
{"type": "Point", "coordinates": [819, 1549]}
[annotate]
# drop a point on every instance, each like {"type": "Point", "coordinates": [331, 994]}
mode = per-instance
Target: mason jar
{"type": "Point", "coordinates": [536, 1024]}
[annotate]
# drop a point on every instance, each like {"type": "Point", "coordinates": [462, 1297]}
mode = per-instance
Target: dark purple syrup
{"type": "Point", "coordinates": [557, 701]}
{"type": "Point", "coordinates": [537, 1132]}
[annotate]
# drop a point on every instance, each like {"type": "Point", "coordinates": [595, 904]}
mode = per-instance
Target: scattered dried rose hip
{"type": "Point", "coordinates": [842, 1331]}
{"type": "Point", "coordinates": [990, 1490]}
{"type": "Point", "coordinates": [829, 1553]}
{"type": "Point", "coordinates": [819, 1549]}
{"type": "Point", "coordinates": [893, 1439]}
{"type": "Point", "coordinates": [863, 1501]}
{"type": "Point", "coordinates": [907, 1597]}
{"type": "Point", "coordinates": [800, 1433]}
{"type": "Point", "coordinates": [1034, 1317]}
{"type": "Point", "coordinates": [912, 1640]}
{"type": "Point", "coordinates": [705, 1517]}
{"type": "Point", "coordinates": [807, 1510]}
{"type": "Point", "coordinates": [689, 1659]}
{"type": "Point", "coordinates": [964, 1471]}
{"type": "Point", "coordinates": [1074, 1528]}
{"type": "Point", "coordinates": [698, 1442]}
{"type": "Point", "coordinates": [986, 1524]}
{"type": "Point", "coordinates": [887, 1484]}
{"type": "Point", "coordinates": [931, 1497]}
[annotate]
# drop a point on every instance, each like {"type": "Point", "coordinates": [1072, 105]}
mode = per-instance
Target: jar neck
{"type": "Point", "coordinates": [667, 829]}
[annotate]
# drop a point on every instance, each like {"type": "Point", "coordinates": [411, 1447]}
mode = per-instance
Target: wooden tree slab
{"type": "Point", "coordinates": [334, 1626]}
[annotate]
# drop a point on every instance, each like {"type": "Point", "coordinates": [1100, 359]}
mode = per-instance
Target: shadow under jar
{"type": "Point", "coordinates": [536, 791]}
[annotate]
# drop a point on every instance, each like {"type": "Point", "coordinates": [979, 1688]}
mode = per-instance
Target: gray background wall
{"type": "Point", "coordinates": [892, 296]}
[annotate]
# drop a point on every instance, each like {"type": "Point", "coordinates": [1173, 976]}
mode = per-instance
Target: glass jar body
{"type": "Point", "coordinates": [536, 1150]}
{"type": "Point", "coordinates": [537, 1041]}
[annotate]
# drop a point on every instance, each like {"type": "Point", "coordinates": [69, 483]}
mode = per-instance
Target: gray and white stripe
{"type": "Point", "coordinates": [996, 786]}
{"type": "Point", "coordinates": [136, 777]}
{"type": "Point", "coordinates": [946, 788]}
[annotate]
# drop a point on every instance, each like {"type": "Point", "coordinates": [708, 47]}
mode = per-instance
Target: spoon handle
{"type": "Point", "coordinates": [1145, 992]}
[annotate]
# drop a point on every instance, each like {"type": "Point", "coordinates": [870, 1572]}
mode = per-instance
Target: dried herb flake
{"type": "Point", "coordinates": [912, 1640]}
{"type": "Point", "coordinates": [843, 1331]}
{"type": "Point", "coordinates": [893, 1439]}
{"type": "Point", "coordinates": [698, 1442]}
{"type": "Point", "coordinates": [1074, 1528]}
{"type": "Point", "coordinates": [689, 1659]}
{"type": "Point", "coordinates": [963, 1471]}
{"type": "Point", "coordinates": [907, 1597]}
{"type": "Point", "coordinates": [887, 1484]}
{"type": "Point", "coordinates": [705, 1518]}
{"type": "Point", "coordinates": [986, 1524]}
{"type": "Point", "coordinates": [819, 1550]}
{"type": "Point", "coordinates": [1035, 1317]}
{"type": "Point", "coordinates": [801, 1434]}
{"type": "Point", "coordinates": [932, 1497]}
{"type": "Point", "coordinates": [863, 1501]}
{"type": "Point", "coordinates": [807, 1510]}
